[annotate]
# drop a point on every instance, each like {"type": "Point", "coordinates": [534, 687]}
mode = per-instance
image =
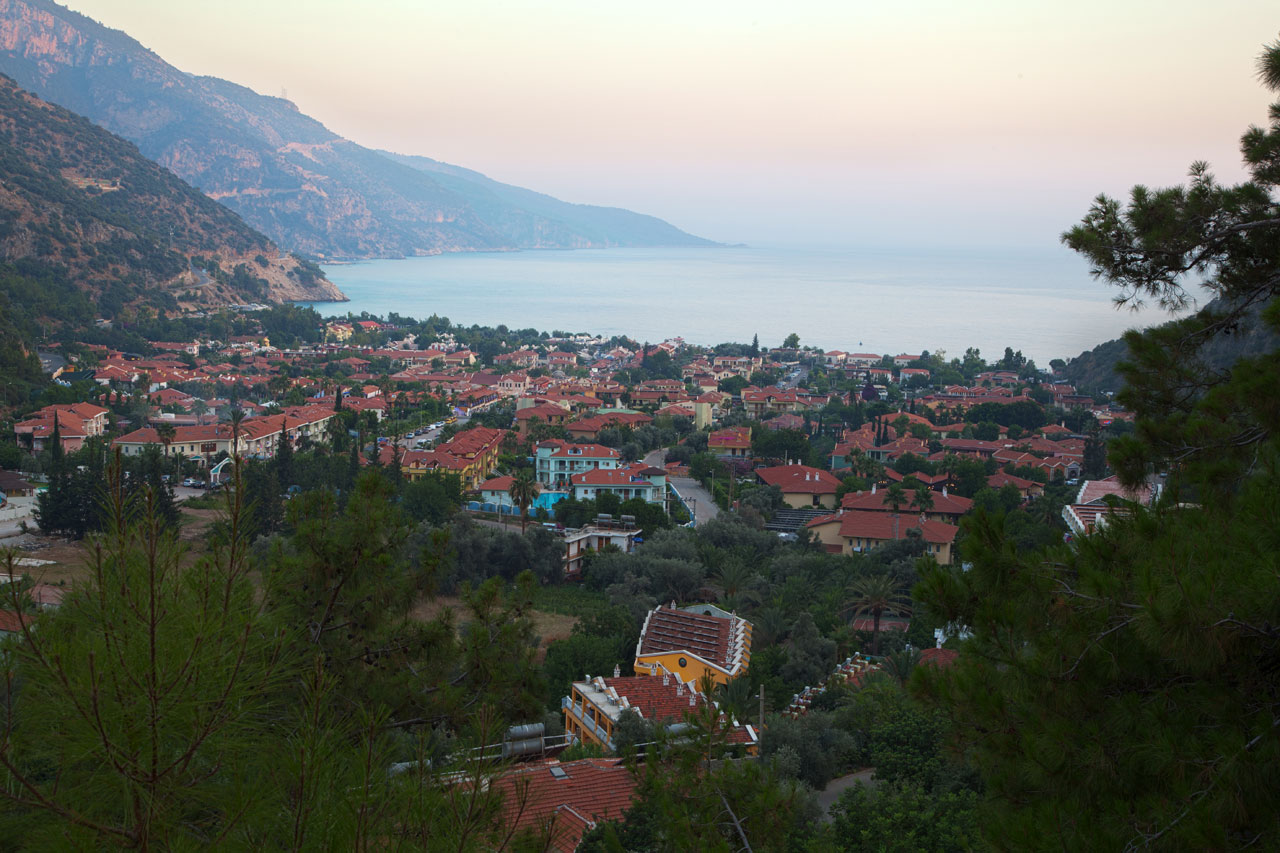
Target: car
{"type": "Point", "coordinates": [189, 482]}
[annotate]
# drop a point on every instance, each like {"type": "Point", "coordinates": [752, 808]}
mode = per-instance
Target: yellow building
{"type": "Point", "coordinates": [594, 706]}
{"type": "Point", "coordinates": [694, 642]}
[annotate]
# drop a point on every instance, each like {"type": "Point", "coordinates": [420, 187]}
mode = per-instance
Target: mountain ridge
{"type": "Point", "coordinates": [84, 214]}
{"type": "Point", "coordinates": [284, 172]}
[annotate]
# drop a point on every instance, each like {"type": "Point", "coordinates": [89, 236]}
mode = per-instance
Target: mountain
{"type": "Point", "coordinates": [89, 227]}
{"type": "Point", "coordinates": [284, 172]}
{"type": "Point", "coordinates": [1095, 369]}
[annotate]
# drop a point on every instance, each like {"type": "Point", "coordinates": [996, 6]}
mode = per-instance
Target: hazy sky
{"type": "Point", "coordinates": [792, 121]}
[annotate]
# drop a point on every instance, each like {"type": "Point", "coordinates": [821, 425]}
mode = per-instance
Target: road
{"type": "Point", "coordinates": [12, 526]}
{"type": "Point", "coordinates": [827, 796]}
{"type": "Point", "coordinates": [432, 436]}
{"type": "Point", "coordinates": [698, 498]}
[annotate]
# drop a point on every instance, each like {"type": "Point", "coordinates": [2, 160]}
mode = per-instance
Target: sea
{"type": "Point", "coordinates": [1039, 301]}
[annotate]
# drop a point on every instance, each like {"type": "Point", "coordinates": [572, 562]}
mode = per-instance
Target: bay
{"type": "Point", "coordinates": [1039, 301]}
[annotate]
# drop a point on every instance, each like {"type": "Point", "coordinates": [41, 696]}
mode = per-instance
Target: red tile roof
{"type": "Point", "coordinates": [11, 622]}
{"type": "Point", "coordinates": [793, 479]}
{"type": "Point", "coordinates": [668, 630]}
{"type": "Point", "coordinates": [567, 803]}
{"type": "Point", "coordinates": [875, 502]}
{"type": "Point", "coordinates": [885, 526]}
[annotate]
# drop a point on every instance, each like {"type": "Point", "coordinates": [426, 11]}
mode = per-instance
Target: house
{"type": "Point", "coordinates": [946, 507]}
{"type": "Point", "coordinates": [548, 413]}
{"type": "Point", "coordinates": [594, 706]}
{"type": "Point", "coordinates": [694, 642]}
{"type": "Point", "coordinates": [257, 438]}
{"type": "Point", "coordinates": [76, 422]}
{"type": "Point", "coordinates": [460, 358]}
{"type": "Point", "coordinates": [637, 480]}
{"type": "Point", "coordinates": [14, 486]}
{"type": "Point", "coordinates": [558, 802]}
{"type": "Point", "coordinates": [732, 442]}
{"type": "Point", "coordinates": [770, 401]}
{"type": "Point", "coordinates": [471, 454]}
{"type": "Point", "coordinates": [581, 541]}
{"type": "Point", "coordinates": [1097, 500]}
{"type": "Point", "coordinates": [802, 486]}
{"type": "Point", "coordinates": [1027, 488]}
{"type": "Point", "coordinates": [561, 360]}
{"type": "Point", "coordinates": [855, 531]}
{"type": "Point", "coordinates": [861, 360]}
{"type": "Point", "coordinates": [555, 461]}
{"type": "Point", "coordinates": [589, 428]}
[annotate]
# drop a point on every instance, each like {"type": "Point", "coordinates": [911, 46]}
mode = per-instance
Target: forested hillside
{"type": "Point", "coordinates": [1095, 369]}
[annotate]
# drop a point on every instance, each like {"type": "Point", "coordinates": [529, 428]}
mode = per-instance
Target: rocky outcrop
{"type": "Point", "coordinates": [84, 208]}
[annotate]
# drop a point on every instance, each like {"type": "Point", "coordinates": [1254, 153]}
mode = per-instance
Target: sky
{"type": "Point", "coordinates": [848, 123]}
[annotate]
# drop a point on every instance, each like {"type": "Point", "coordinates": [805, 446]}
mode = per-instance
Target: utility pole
{"type": "Point", "coordinates": [760, 728]}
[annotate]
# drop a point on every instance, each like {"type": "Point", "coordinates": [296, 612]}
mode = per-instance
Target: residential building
{"type": "Point", "coordinates": [562, 801]}
{"type": "Point", "coordinates": [547, 413]}
{"type": "Point", "coordinates": [556, 461]}
{"type": "Point", "coordinates": [637, 480]}
{"type": "Point", "coordinates": [694, 642]}
{"type": "Point", "coordinates": [1097, 500]}
{"type": "Point", "coordinates": [76, 422]}
{"type": "Point", "coordinates": [946, 507]}
{"type": "Point", "coordinates": [593, 707]}
{"type": "Point", "coordinates": [732, 442]}
{"type": "Point", "coordinates": [802, 486]}
{"type": "Point", "coordinates": [580, 541]}
{"type": "Point", "coordinates": [855, 531]}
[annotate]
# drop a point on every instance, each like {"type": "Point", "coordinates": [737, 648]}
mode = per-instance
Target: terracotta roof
{"type": "Point", "coordinates": [875, 502]}
{"type": "Point", "coordinates": [11, 622]}
{"type": "Point", "coordinates": [497, 484]}
{"type": "Point", "coordinates": [632, 474]}
{"type": "Point", "coordinates": [730, 437]}
{"type": "Point", "coordinates": [885, 526]}
{"type": "Point", "coordinates": [583, 451]}
{"type": "Point", "coordinates": [668, 630]}
{"type": "Point", "coordinates": [938, 657]}
{"type": "Point", "coordinates": [799, 479]}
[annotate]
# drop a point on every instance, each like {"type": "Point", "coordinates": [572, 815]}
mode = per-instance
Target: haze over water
{"type": "Point", "coordinates": [1040, 302]}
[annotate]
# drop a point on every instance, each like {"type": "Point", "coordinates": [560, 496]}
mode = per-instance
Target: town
{"type": "Point", "coordinates": [583, 459]}
{"type": "Point", "coordinates": [839, 441]}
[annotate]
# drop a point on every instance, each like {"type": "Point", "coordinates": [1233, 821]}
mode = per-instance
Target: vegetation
{"type": "Point", "coordinates": [1121, 693]}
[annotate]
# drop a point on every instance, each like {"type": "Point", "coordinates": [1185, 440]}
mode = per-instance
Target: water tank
{"type": "Point", "coordinates": [527, 730]}
{"type": "Point", "coordinates": [527, 746]}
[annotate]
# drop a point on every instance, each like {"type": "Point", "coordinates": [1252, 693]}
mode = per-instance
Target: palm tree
{"type": "Point", "coordinates": [895, 496]}
{"type": "Point", "coordinates": [237, 418]}
{"type": "Point", "coordinates": [523, 491]}
{"type": "Point", "coordinates": [922, 499]}
{"type": "Point", "coordinates": [873, 595]}
{"type": "Point", "coordinates": [166, 434]}
{"type": "Point", "coordinates": [736, 584]}
{"type": "Point", "coordinates": [900, 664]}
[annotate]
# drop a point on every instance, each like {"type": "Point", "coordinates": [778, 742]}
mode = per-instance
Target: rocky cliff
{"type": "Point", "coordinates": [284, 172]}
{"type": "Point", "coordinates": [83, 207]}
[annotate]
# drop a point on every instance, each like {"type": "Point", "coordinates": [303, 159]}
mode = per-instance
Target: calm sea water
{"type": "Point", "coordinates": [1040, 302]}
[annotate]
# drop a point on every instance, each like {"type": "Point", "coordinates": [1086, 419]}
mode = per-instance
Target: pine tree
{"type": "Point", "coordinates": [1121, 692]}
{"type": "Point", "coordinates": [128, 704]}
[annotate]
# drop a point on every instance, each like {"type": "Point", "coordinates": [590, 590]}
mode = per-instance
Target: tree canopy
{"type": "Point", "coordinates": [1122, 691]}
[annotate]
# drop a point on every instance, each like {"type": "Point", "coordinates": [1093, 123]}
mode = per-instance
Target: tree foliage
{"type": "Point", "coordinates": [1122, 693]}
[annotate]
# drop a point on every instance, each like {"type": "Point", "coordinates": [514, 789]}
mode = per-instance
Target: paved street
{"type": "Point", "coordinates": [699, 499]}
